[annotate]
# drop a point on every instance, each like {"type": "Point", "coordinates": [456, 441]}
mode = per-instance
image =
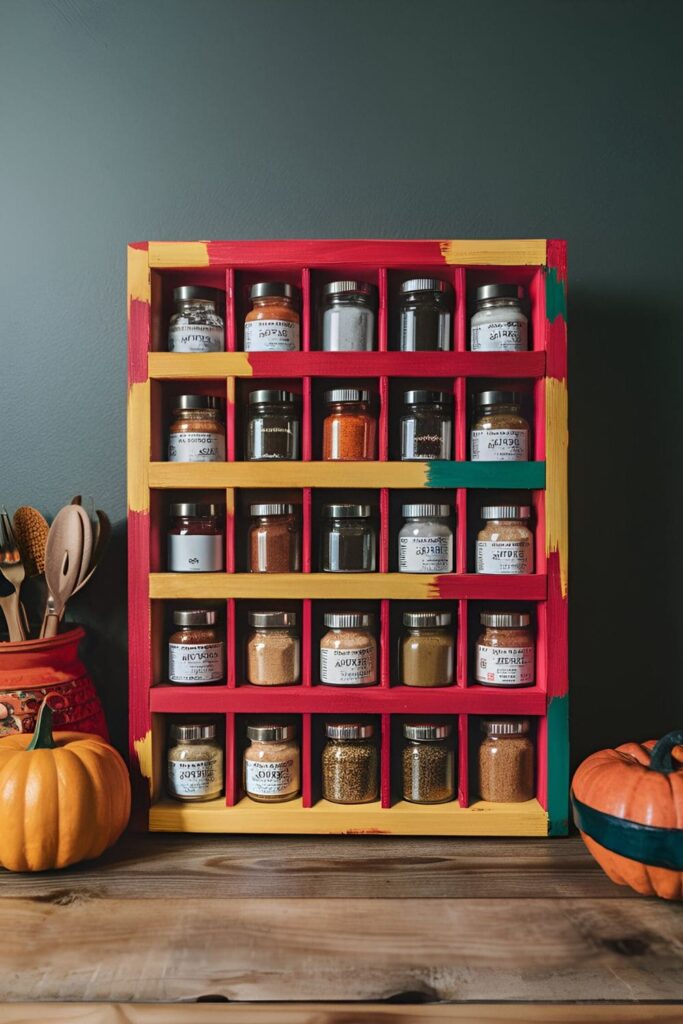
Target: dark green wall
{"type": "Point", "coordinates": [163, 119]}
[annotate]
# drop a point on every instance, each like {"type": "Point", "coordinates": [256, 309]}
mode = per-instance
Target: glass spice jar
{"type": "Point", "coordinates": [196, 326]}
{"type": "Point", "coordinates": [428, 763]}
{"type": "Point", "coordinates": [348, 316]}
{"type": "Point", "coordinates": [425, 541]}
{"type": "Point", "coordinates": [506, 761]}
{"type": "Point", "coordinates": [194, 762]}
{"type": "Point", "coordinates": [272, 763]}
{"type": "Point", "coordinates": [505, 544]}
{"type": "Point", "coordinates": [425, 306]}
{"type": "Point", "coordinates": [195, 537]}
{"type": "Point", "coordinates": [499, 325]}
{"type": "Point", "coordinates": [426, 426]}
{"type": "Point", "coordinates": [197, 431]}
{"type": "Point", "coordinates": [350, 763]}
{"type": "Point", "coordinates": [349, 539]}
{"type": "Point", "coordinates": [273, 428]}
{"type": "Point", "coordinates": [273, 649]}
{"type": "Point", "coordinates": [274, 540]}
{"type": "Point", "coordinates": [505, 650]}
{"type": "Point", "coordinates": [348, 650]}
{"type": "Point", "coordinates": [350, 428]}
{"type": "Point", "coordinates": [427, 650]}
{"type": "Point", "coordinates": [500, 433]}
{"type": "Point", "coordinates": [196, 656]}
{"type": "Point", "coordinates": [272, 325]}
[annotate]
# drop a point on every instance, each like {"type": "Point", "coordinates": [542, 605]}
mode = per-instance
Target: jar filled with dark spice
{"type": "Point", "coordinates": [350, 427]}
{"type": "Point", "coordinates": [196, 655]}
{"type": "Point", "coordinates": [349, 539]}
{"type": "Point", "coordinates": [274, 539]}
{"type": "Point", "coordinates": [428, 763]}
{"type": "Point", "coordinates": [506, 761]}
{"type": "Point", "coordinates": [426, 426]}
{"type": "Point", "coordinates": [426, 305]}
{"type": "Point", "coordinates": [195, 537]}
{"type": "Point", "coordinates": [273, 430]}
{"type": "Point", "coordinates": [350, 763]}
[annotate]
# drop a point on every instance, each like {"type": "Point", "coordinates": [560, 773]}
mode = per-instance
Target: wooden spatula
{"type": "Point", "coordinates": [63, 564]}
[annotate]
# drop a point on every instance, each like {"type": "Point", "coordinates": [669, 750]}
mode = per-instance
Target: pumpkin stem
{"type": "Point", "coordinates": [42, 737]}
{"type": "Point", "coordinates": [660, 758]}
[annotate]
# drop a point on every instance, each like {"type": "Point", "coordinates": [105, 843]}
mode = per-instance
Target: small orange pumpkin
{"type": "Point", "coordinates": [628, 806]}
{"type": "Point", "coordinates": [63, 798]}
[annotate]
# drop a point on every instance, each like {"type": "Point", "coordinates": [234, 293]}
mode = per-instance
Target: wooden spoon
{"type": "Point", "coordinates": [102, 535]}
{"type": "Point", "coordinates": [63, 562]}
{"type": "Point", "coordinates": [88, 542]}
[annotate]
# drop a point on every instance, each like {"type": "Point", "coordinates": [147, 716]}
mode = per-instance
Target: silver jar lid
{"type": "Point", "coordinates": [424, 284]}
{"type": "Point", "coordinates": [426, 730]}
{"type": "Point", "coordinates": [347, 511]}
{"type": "Point", "coordinates": [427, 619]}
{"type": "Point", "coordinates": [505, 620]}
{"type": "Point", "coordinates": [499, 398]}
{"type": "Point", "coordinates": [500, 291]}
{"type": "Point", "coordinates": [349, 730]}
{"type": "Point", "coordinates": [424, 397]}
{"type": "Point", "coordinates": [437, 511]}
{"type": "Point", "coordinates": [196, 731]}
{"type": "Point", "coordinates": [347, 395]}
{"type": "Point", "coordinates": [271, 510]}
{"type": "Point", "coordinates": [194, 617]}
{"type": "Point", "coordinates": [505, 726]}
{"type": "Point", "coordinates": [271, 620]}
{"type": "Point", "coordinates": [197, 402]}
{"type": "Point", "coordinates": [188, 292]}
{"type": "Point", "coordinates": [349, 620]}
{"type": "Point", "coordinates": [505, 512]}
{"type": "Point", "coordinates": [265, 288]}
{"type": "Point", "coordinates": [348, 287]}
{"type": "Point", "coordinates": [196, 509]}
{"type": "Point", "coordinates": [271, 732]}
{"type": "Point", "coordinates": [273, 396]}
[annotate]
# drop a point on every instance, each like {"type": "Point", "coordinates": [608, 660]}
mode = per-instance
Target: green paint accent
{"type": "Point", "coordinates": [555, 295]}
{"type": "Point", "coordinates": [42, 737]}
{"type": "Point", "coordinates": [558, 766]}
{"type": "Point", "coordinates": [648, 844]}
{"type": "Point", "coordinates": [503, 475]}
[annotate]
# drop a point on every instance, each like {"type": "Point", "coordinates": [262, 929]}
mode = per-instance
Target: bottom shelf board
{"type": "Point", "coordinates": [403, 818]}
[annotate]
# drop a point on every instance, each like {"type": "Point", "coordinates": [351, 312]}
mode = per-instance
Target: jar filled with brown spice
{"type": "Point", "coordinates": [348, 650]}
{"type": "Point", "coordinates": [506, 761]}
{"type": "Point", "coordinates": [196, 655]}
{"type": "Point", "coordinates": [350, 763]}
{"type": "Point", "coordinates": [428, 763]}
{"type": "Point", "coordinates": [273, 649]}
{"type": "Point", "coordinates": [427, 649]}
{"type": "Point", "coordinates": [505, 543]}
{"type": "Point", "coordinates": [272, 763]}
{"type": "Point", "coordinates": [274, 539]}
{"type": "Point", "coordinates": [500, 433]}
{"type": "Point", "coordinates": [197, 430]}
{"type": "Point", "coordinates": [505, 650]}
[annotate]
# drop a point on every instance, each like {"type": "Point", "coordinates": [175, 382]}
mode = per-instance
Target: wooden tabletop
{"type": "Point", "coordinates": [404, 923]}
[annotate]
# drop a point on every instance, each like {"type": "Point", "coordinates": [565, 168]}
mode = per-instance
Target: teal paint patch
{"type": "Point", "coordinates": [555, 295]}
{"type": "Point", "coordinates": [503, 475]}
{"type": "Point", "coordinates": [648, 844]}
{"type": "Point", "coordinates": [558, 766]}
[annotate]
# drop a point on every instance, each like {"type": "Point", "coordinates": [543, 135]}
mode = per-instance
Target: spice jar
{"type": "Point", "coordinates": [196, 326]}
{"type": "Point", "coordinates": [274, 426]}
{"type": "Point", "coordinates": [272, 325]}
{"type": "Point", "coordinates": [427, 649]}
{"type": "Point", "coordinates": [348, 651]}
{"type": "Point", "coordinates": [425, 315]}
{"type": "Point", "coordinates": [195, 654]}
{"type": "Point", "coordinates": [426, 426]}
{"type": "Point", "coordinates": [505, 544]}
{"type": "Point", "coordinates": [349, 539]}
{"type": "Point", "coordinates": [197, 431]}
{"type": "Point", "coordinates": [349, 429]}
{"type": "Point", "coordinates": [499, 325]}
{"type": "Point", "coordinates": [425, 541]}
{"type": "Point", "coordinates": [500, 433]}
{"type": "Point", "coordinates": [428, 763]}
{"type": "Point", "coordinates": [348, 316]}
{"type": "Point", "coordinates": [273, 649]}
{"type": "Point", "coordinates": [506, 761]}
{"type": "Point", "coordinates": [272, 772]}
{"type": "Point", "coordinates": [194, 762]}
{"type": "Point", "coordinates": [274, 539]}
{"type": "Point", "coordinates": [505, 650]}
{"type": "Point", "coordinates": [195, 537]}
{"type": "Point", "coordinates": [350, 764]}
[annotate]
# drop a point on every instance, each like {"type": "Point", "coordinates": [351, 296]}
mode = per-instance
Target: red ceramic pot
{"type": "Point", "coordinates": [32, 670]}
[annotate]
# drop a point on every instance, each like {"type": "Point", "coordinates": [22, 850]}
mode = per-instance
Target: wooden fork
{"type": "Point", "coordinates": [14, 571]}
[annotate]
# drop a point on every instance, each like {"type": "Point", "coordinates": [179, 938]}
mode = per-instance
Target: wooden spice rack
{"type": "Point", "coordinates": [155, 375]}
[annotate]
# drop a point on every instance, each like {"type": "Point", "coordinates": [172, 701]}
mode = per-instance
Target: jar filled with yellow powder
{"type": "Point", "coordinates": [427, 651]}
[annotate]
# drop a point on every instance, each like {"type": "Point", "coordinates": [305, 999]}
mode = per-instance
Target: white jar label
{"type": "Point", "coordinates": [499, 336]}
{"type": "Point", "coordinates": [196, 778]}
{"type": "Point", "coordinates": [500, 445]}
{"type": "Point", "coordinates": [271, 336]}
{"type": "Point", "coordinates": [355, 666]}
{"type": "Point", "coordinates": [504, 557]}
{"type": "Point", "coordinates": [425, 554]}
{"type": "Point", "coordinates": [505, 666]}
{"type": "Point", "coordinates": [195, 338]}
{"type": "Point", "coordinates": [196, 446]}
{"type": "Point", "coordinates": [195, 663]}
{"type": "Point", "coordinates": [271, 778]}
{"type": "Point", "coordinates": [191, 553]}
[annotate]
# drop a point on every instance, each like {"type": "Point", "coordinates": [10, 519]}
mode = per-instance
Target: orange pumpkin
{"type": "Point", "coordinates": [63, 798]}
{"type": "Point", "coordinates": [628, 806]}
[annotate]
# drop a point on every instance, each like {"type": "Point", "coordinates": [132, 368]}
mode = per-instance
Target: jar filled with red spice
{"type": "Point", "coordinates": [274, 543]}
{"type": "Point", "coordinates": [350, 428]}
